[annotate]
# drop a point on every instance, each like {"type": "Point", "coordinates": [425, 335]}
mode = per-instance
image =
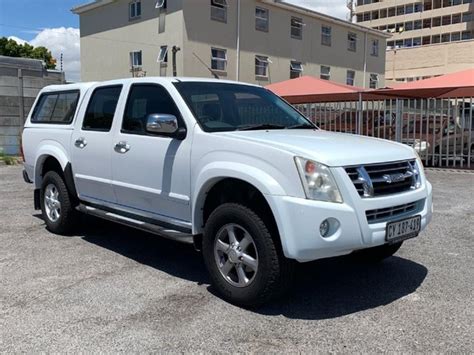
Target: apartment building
{"type": "Point", "coordinates": [255, 41]}
{"type": "Point", "coordinates": [429, 37]}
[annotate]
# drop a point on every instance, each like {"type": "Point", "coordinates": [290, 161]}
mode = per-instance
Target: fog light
{"type": "Point", "coordinates": [324, 228]}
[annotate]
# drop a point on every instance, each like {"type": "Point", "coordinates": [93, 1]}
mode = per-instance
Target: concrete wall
{"type": "Point", "coordinates": [432, 60]}
{"type": "Point", "coordinates": [107, 37]}
{"type": "Point", "coordinates": [276, 44]}
{"type": "Point", "coordinates": [15, 80]}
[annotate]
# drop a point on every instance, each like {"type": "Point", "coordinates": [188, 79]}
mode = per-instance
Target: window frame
{"type": "Point", "coordinates": [375, 48]}
{"type": "Point", "coordinates": [219, 59]}
{"type": "Point", "coordinates": [221, 7]}
{"type": "Point", "coordinates": [89, 104]}
{"type": "Point", "coordinates": [265, 20]}
{"type": "Point", "coordinates": [132, 58]}
{"type": "Point", "coordinates": [352, 78]}
{"type": "Point", "coordinates": [325, 36]}
{"type": "Point", "coordinates": [294, 64]}
{"type": "Point", "coordinates": [373, 81]}
{"type": "Point", "coordinates": [262, 59]}
{"type": "Point", "coordinates": [133, 4]}
{"type": "Point", "coordinates": [321, 72]}
{"type": "Point", "coordinates": [181, 122]}
{"type": "Point", "coordinates": [163, 60]}
{"type": "Point", "coordinates": [352, 39]}
{"type": "Point", "coordinates": [299, 26]}
{"type": "Point", "coordinates": [37, 107]}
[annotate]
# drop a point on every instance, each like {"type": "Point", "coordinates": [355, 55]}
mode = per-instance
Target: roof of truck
{"type": "Point", "coordinates": [148, 79]}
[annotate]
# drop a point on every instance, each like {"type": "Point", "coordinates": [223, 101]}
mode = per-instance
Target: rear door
{"type": "Point", "coordinates": [151, 175]}
{"type": "Point", "coordinates": [92, 146]}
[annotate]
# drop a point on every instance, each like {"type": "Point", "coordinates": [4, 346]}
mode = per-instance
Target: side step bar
{"type": "Point", "coordinates": [135, 223]}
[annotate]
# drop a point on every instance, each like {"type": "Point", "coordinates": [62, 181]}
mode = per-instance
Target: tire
{"type": "Point", "coordinates": [269, 274]}
{"type": "Point", "coordinates": [54, 196]}
{"type": "Point", "coordinates": [377, 254]}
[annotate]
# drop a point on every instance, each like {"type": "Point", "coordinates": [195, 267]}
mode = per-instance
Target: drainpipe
{"type": "Point", "coordinates": [365, 59]}
{"type": "Point", "coordinates": [237, 70]}
{"type": "Point", "coordinates": [174, 51]}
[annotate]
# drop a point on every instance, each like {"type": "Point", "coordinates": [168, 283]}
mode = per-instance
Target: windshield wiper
{"type": "Point", "coordinates": [301, 126]}
{"type": "Point", "coordinates": [255, 127]}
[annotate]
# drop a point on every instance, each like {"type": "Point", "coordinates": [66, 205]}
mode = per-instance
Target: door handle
{"type": "Point", "coordinates": [122, 147]}
{"type": "Point", "coordinates": [80, 142]}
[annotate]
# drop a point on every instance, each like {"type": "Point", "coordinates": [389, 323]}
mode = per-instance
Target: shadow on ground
{"type": "Point", "coordinates": [322, 289]}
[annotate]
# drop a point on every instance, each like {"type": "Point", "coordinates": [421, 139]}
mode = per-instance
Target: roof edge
{"type": "Point", "coordinates": [90, 6]}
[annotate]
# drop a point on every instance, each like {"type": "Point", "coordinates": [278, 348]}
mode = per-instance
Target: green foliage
{"type": "Point", "coordinates": [11, 48]}
{"type": "Point", "coordinates": [7, 159]}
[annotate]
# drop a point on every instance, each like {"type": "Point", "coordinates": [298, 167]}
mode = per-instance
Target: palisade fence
{"type": "Point", "coordinates": [440, 130]}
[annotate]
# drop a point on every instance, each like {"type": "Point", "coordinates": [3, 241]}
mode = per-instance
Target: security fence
{"type": "Point", "coordinates": [439, 129]}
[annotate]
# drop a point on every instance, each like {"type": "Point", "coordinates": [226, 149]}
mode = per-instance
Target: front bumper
{"type": "Point", "coordinates": [299, 220]}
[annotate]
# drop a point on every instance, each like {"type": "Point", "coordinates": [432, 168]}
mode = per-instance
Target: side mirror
{"type": "Point", "coordinates": [164, 124]}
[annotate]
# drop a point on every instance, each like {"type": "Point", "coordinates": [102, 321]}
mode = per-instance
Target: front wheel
{"type": "Point", "coordinates": [56, 206]}
{"type": "Point", "coordinates": [243, 259]}
{"type": "Point", "coordinates": [377, 254]}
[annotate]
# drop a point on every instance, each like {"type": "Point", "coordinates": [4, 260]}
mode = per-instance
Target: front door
{"type": "Point", "coordinates": [91, 147]}
{"type": "Point", "coordinates": [151, 173]}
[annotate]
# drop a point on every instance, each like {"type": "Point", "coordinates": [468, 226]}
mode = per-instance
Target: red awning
{"type": "Point", "coordinates": [308, 89]}
{"type": "Point", "coordinates": [460, 84]}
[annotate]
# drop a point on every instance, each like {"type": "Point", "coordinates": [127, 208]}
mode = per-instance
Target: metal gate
{"type": "Point", "coordinates": [440, 130]}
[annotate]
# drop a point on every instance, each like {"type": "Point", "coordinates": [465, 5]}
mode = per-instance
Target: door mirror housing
{"type": "Point", "coordinates": [164, 124]}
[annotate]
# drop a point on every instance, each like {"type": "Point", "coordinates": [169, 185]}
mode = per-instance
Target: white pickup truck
{"type": "Point", "coordinates": [229, 166]}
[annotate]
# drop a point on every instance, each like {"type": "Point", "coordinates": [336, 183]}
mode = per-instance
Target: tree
{"type": "Point", "coordinates": [11, 48]}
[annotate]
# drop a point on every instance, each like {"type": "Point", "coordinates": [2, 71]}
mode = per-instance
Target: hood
{"type": "Point", "coordinates": [332, 149]}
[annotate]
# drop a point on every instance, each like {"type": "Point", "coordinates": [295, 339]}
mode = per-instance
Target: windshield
{"type": "Point", "coordinates": [220, 107]}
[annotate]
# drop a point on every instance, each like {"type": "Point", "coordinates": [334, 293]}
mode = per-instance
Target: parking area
{"type": "Point", "coordinates": [110, 288]}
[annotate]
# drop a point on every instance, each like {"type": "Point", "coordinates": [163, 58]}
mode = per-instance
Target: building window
{"type": "Point", "coordinates": [134, 9]}
{"type": "Point", "coordinates": [325, 72]}
{"type": "Point", "coordinates": [466, 35]}
{"type": "Point", "coordinates": [408, 42]}
{"type": "Point", "coordinates": [409, 9]}
{"type": "Point", "coordinates": [416, 41]}
{"type": "Point", "coordinates": [326, 35]}
{"type": "Point", "coordinates": [261, 19]}
{"type": "Point", "coordinates": [374, 81]}
{"type": "Point", "coordinates": [455, 36]}
{"type": "Point", "coordinates": [352, 41]}
{"type": "Point", "coordinates": [163, 55]}
{"type": "Point", "coordinates": [417, 25]}
{"type": "Point", "coordinates": [296, 28]}
{"type": "Point", "coordinates": [436, 39]}
{"type": "Point", "coordinates": [375, 48]}
{"type": "Point", "coordinates": [467, 17]}
{"type": "Point", "coordinates": [218, 59]}
{"type": "Point", "coordinates": [219, 10]}
{"type": "Point", "coordinates": [350, 78]}
{"type": "Point", "coordinates": [296, 69]}
{"type": "Point", "coordinates": [445, 37]}
{"type": "Point", "coordinates": [436, 22]}
{"type": "Point", "coordinates": [261, 65]}
{"type": "Point", "coordinates": [136, 59]}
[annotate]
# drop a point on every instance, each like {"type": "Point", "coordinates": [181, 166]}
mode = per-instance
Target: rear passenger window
{"type": "Point", "coordinates": [101, 109]}
{"type": "Point", "coordinates": [58, 107]}
{"type": "Point", "coordinates": [145, 99]}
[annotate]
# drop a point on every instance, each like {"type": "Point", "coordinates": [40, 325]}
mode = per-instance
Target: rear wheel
{"type": "Point", "coordinates": [56, 207]}
{"type": "Point", "coordinates": [377, 254]}
{"type": "Point", "coordinates": [243, 259]}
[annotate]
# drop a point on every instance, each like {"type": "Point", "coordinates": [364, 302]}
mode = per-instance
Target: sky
{"type": "Point", "coordinates": [50, 23]}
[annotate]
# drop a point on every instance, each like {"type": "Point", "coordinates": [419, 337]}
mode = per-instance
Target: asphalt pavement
{"type": "Point", "coordinates": [110, 288]}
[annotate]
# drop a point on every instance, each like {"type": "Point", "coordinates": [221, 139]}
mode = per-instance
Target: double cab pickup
{"type": "Point", "coordinates": [230, 167]}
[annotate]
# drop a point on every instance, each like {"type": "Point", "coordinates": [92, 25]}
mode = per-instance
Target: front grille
{"type": "Point", "coordinates": [385, 214]}
{"type": "Point", "coordinates": [384, 179]}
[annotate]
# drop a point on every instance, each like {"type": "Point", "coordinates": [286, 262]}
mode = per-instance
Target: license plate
{"type": "Point", "coordinates": [404, 229]}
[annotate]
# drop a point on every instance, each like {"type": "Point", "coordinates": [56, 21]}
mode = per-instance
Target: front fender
{"type": "Point", "coordinates": [46, 149]}
{"type": "Point", "coordinates": [216, 171]}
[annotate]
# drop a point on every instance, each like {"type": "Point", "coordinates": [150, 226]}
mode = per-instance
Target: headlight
{"type": "Point", "coordinates": [318, 182]}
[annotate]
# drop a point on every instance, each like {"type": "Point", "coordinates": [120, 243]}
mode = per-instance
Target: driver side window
{"type": "Point", "coordinates": [143, 100]}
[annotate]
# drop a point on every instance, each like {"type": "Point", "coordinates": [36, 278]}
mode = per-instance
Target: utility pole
{"type": "Point", "coordinates": [350, 6]}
